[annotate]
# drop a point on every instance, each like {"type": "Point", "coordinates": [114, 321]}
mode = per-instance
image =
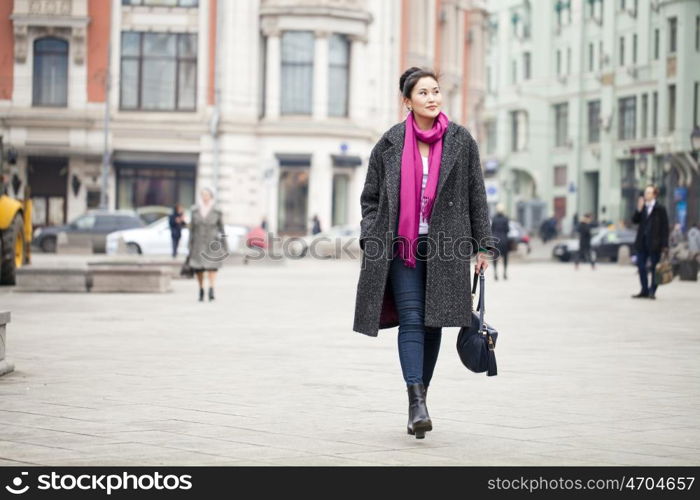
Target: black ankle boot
{"type": "Point", "coordinates": [211, 294]}
{"type": "Point", "coordinates": [418, 419]}
{"type": "Point", "coordinates": [201, 294]}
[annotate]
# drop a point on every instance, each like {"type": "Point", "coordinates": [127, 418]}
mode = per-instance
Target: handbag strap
{"type": "Point", "coordinates": [480, 306]}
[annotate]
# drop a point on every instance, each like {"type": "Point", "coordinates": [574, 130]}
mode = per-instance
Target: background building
{"type": "Point", "coordinates": [277, 103]}
{"type": "Point", "coordinates": [589, 101]}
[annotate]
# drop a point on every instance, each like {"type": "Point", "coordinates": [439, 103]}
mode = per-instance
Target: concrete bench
{"type": "Point", "coordinates": [33, 278]}
{"type": "Point", "coordinates": [172, 266]}
{"type": "Point", "coordinates": [5, 365]}
{"type": "Point", "coordinates": [128, 278]}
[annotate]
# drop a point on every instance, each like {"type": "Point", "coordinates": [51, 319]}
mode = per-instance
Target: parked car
{"type": "Point", "coordinates": [155, 239]}
{"type": "Point", "coordinates": [151, 213]}
{"type": "Point", "coordinates": [605, 244]}
{"type": "Point", "coordinates": [327, 244]}
{"type": "Point", "coordinates": [88, 229]}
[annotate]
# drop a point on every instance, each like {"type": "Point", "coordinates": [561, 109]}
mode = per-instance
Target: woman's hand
{"type": "Point", "coordinates": [481, 262]}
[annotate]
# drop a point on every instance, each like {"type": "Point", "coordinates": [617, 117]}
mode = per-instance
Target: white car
{"type": "Point", "coordinates": [155, 239]}
{"type": "Point", "coordinates": [332, 243]}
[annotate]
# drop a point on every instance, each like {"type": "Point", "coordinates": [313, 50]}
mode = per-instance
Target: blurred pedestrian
{"type": "Point", "coordinates": [407, 279]}
{"type": "Point", "coordinates": [316, 228]}
{"type": "Point", "coordinates": [207, 244]}
{"type": "Point", "coordinates": [584, 242]}
{"type": "Point", "coordinates": [694, 240]}
{"type": "Point", "coordinates": [651, 240]}
{"type": "Point", "coordinates": [499, 229]}
{"type": "Point", "coordinates": [676, 237]}
{"type": "Point", "coordinates": [177, 222]}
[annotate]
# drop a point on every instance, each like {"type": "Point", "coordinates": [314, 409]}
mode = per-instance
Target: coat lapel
{"type": "Point", "coordinates": [392, 162]}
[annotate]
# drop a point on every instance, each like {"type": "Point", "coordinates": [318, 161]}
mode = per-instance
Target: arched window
{"type": "Point", "coordinates": [50, 72]}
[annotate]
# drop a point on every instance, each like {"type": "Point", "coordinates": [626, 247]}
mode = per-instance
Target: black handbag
{"type": "Point", "coordinates": [186, 270]}
{"type": "Point", "coordinates": [476, 343]}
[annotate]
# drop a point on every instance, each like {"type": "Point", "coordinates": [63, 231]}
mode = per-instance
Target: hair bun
{"type": "Point", "coordinates": [405, 76]}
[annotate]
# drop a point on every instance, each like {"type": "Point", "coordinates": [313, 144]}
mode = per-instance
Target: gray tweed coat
{"type": "Point", "coordinates": [207, 250]}
{"type": "Point", "coordinates": [460, 212]}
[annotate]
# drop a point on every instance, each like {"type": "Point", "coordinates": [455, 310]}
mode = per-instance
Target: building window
{"type": "Point", "coordinates": [514, 72]}
{"type": "Point", "coordinates": [593, 122]}
{"type": "Point", "coordinates": [697, 33]}
{"type": "Point", "coordinates": [518, 130]}
{"type": "Point", "coordinates": [526, 65]}
{"type": "Point", "coordinates": [338, 75]}
{"type": "Point", "coordinates": [491, 137]}
{"type": "Point", "coordinates": [627, 111]}
{"type": "Point", "coordinates": [671, 108]}
{"type": "Point", "coordinates": [50, 79]}
{"type": "Point", "coordinates": [600, 55]}
{"type": "Point", "coordinates": [558, 62]}
{"type": "Point", "coordinates": [634, 49]}
{"type": "Point", "coordinates": [656, 44]}
{"type": "Point", "coordinates": [560, 175]}
{"type": "Point", "coordinates": [561, 124]}
{"type": "Point", "coordinates": [622, 51]}
{"type": "Point", "coordinates": [164, 3]}
{"type": "Point", "coordinates": [672, 34]}
{"type": "Point", "coordinates": [568, 60]}
{"type": "Point", "coordinates": [158, 71]}
{"type": "Point", "coordinates": [591, 62]}
{"type": "Point", "coordinates": [655, 114]}
{"type": "Point", "coordinates": [645, 113]}
{"type": "Point", "coordinates": [297, 72]}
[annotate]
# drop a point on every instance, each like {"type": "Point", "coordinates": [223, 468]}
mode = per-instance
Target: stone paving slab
{"type": "Point", "coordinates": [271, 373]}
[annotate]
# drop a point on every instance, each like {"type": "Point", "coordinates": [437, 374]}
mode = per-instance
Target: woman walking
{"type": "Point", "coordinates": [207, 248]}
{"type": "Point", "coordinates": [424, 215]}
{"type": "Point", "coordinates": [499, 228]}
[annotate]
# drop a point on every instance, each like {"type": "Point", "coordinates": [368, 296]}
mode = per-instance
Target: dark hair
{"type": "Point", "coordinates": [410, 77]}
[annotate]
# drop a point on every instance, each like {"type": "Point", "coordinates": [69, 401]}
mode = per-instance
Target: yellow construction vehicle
{"type": "Point", "coordinates": [15, 225]}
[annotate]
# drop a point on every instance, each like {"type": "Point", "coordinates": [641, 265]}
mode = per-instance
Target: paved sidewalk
{"type": "Point", "coordinates": [272, 373]}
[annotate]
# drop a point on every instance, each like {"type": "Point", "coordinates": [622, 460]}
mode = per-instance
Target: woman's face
{"type": "Point", "coordinates": [206, 196]}
{"type": "Point", "coordinates": [426, 99]}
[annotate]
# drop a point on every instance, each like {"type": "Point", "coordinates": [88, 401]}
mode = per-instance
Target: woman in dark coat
{"type": "Point", "coordinates": [424, 215]}
{"type": "Point", "coordinates": [207, 243]}
{"type": "Point", "coordinates": [499, 228]}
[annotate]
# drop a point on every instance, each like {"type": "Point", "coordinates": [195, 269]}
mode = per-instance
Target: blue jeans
{"type": "Point", "coordinates": [419, 345]}
{"type": "Point", "coordinates": [642, 257]}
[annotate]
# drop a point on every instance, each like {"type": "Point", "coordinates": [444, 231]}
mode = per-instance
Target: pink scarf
{"type": "Point", "coordinates": [412, 179]}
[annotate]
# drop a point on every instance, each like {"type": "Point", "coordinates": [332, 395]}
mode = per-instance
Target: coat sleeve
{"type": "Point", "coordinates": [369, 198]}
{"type": "Point", "coordinates": [637, 217]}
{"type": "Point", "coordinates": [478, 207]}
{"type": "Point", "coordinates": [222, 231]}
{"type": "Point", "coordinates": [190, 238]}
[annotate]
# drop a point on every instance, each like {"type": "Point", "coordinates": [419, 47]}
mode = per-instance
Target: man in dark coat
{"type": "Point", "coordinates": [499, 229]}
{"type": "Point", "coordinates": [652, 238]}
{"type": "Point", "coordinates": [460, 213]}
{"type": "Point", "coordinates": [177, 222]}
{"type": "Point", "coordinates": [584, 241]}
